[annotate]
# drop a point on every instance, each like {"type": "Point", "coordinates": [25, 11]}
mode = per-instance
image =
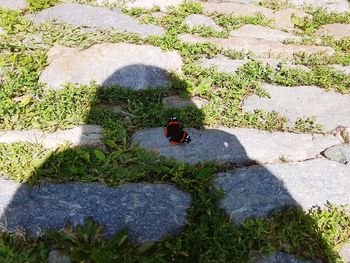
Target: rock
{"type": "Point", "coordinates": [159, 15]}
{"type": "Point", "coordinates": [84, 135]}
{"type": "Point", "coordinates": [227, 65]}
{"type": "Point", "coordinates": [90, 16]}
{"type": "Point", "coordinates": [237, 9]}
{"type": "Point", "coordinates": [262, 32]}
{"type": "Point", "coordinates": [344, 69]}
{"type": "Point", "coordinates": [344, 253]}
{"type": "Point", "coordinates": [337, 6]}
{"type": "Point", "coordinates": [237, 145]}
{"type": "Point", "coordinates": [13, 4]}
{"type": "Point", "coordinates": [126, 65]}
{"type": "Point", "coordinates": [339, 153]}
{"type": "Point", "coordinates": [2, 31]}
{"type": "Point", "coordinates": [260, 47]}
{"type": "Point", "coordinates": [283, 18]}
{"type": "Point", "coordinates": [222, 63]}
{"type": "Point", "coordinates": [200, 20]}
{"type": "Point", "coordinates": [56, 256]}
{"type": "Point", "coordinates": [258, 190]}
{"type": "Point", "coordinates": [330, 108]}
{"type": "Point", "coordinates": [163, 4]}
{"type": "Point", "coordinates": [337, 31]}
{"type": "Point", "coordinates": [177, 102]}
{"type": "Point", "coordinates": [281, 257]}
{"type": "Point", "coordinates": [150, 211]}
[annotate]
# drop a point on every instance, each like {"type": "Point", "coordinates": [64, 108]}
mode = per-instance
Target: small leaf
{"type": "Point", "coordinates": [145, 247]}
{"type": "Point", "coordinates": [25, 100]}
{"type": "Point", "coordinates": [99, 154]}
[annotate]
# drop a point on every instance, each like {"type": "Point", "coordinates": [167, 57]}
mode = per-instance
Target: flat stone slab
{"type": "Point", "coordinates": [201, 20]}
{"type": "Point", "coordinates": [344, 252]}
{"type": "Point", "coordinates": [278, 257]}
{"type": "Point", "coordinates": [262, 32]}
{"type": "Point", "coordinates": [126, 65]}
{"type": "Point", "coordinates": [330, 108]}
{"type": "Point", "coordinates": [339, 153]}
{"type": "Point", "coordinates": [84, 135]}
{"type": "Point", "coordinates": [236, 9]}
{"type": "Point", "coordinates": [237, 145]}
{"type": "Point", "coordinates": [227, 65]}
{"type": "Point", "coordinates": [258, 190]}
{"type": "Point", "coordinates": [260, 47]}
{"type": "Point", "coordinates": [92, 16]}
{"type": "Point", "coordinates": [148, 210]}
{"type": "Point", "coordinates": [344, 69]}
{"type": "Point", "coordinates": [283, 18]}
{"type": "Point", "coordinates": [338, 6]}
{"type": "Point", "coordinates": [13, 4]}
{"type": "Point", "coordinates": [338, 31]}
{"type": "Point", "coordinates": [162, 4]}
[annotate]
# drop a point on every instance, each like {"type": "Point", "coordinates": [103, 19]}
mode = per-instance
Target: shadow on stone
{"type": "Point", "coordinates": [150, 211]}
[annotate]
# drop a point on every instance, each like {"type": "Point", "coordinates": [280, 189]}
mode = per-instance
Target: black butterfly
{"type": "Point", "coordinates": [175, 133]}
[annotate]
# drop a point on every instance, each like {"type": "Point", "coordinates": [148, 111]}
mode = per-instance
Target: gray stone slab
{"type": "Point", "coordinates": [330, 108]}
{"type": "Point", "coordinates": [344, 252]}
{"type": "Point", "coordinates": [92, 16]}
{"type": "Point", "coordinates": [150, 211]}
{"type": "Point", "coordinates": [237, 145]}
{"type": "Point", "coordinates": [337, 30]}
{"type": "Point", "coordinates": [262, 32]}
{"type": "Point", "coordinates": [258, 190]}
{"type": "Point", "coordinates": [201, 20]}
{"type": "Point", "coordinates": [339, 153]}
{"type": "Point", "coordinates": [126, 65]}
{"type": "Point", "coordinates": [178, 102]}
{"type": "Point", "coordinates": [237, 9]}
{"type": "Point", "coordinates": [227, 65]}
{"type": "Point", "coordinates": [344, 69]}
{"type": "Point", "coordinates": [13, 4]}
{"type": "Point", "coordinates": [260, 47]}
{"type": "Point", "coordinates": [84, 135]}
{"type": "Point", "coordinates": [283, 18]}
{"type": "Point", "coordinates": [162, 4]}
{"type": "Point", "coordinates": [338, 6]}
{"type": "Point", "coordinates": [56, 256]}
{"type": "Point", "coordinates": [279, 257]}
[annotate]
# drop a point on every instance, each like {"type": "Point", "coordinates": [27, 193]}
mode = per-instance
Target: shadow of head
{"type": "Point", "coordinates": [50, 206]}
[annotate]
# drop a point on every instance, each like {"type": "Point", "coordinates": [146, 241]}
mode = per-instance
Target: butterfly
{"type": "Point", "coordinates": [175, 133]}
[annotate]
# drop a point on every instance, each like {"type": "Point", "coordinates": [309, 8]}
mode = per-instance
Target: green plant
{"type": "Point", "coordinates": [36, 5]}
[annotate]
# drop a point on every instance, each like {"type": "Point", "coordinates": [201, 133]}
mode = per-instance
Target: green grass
{"type": "Point", "coordinates": [209, 235]}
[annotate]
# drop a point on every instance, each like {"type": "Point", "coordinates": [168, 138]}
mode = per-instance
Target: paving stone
{"type": "Point", "coordinates": [237, 146]}
{"type": "Point", "coordinates": [237, 9]}
{"type": "Point", "coordinates": [338, 6]}
{"type": "Point", "coordinates": [126, 65]}
{"type": "Point", "coordinates": [262, 32]}
{"type": "Point", "coordinates": [90, 16]}
{"type": "Point", "coordinates": [227, 65]}
{"type": "Point", "coordinates": [339, 153]}
{"type": "Point", "coordinates": [330, 108]}
{"type": "Point", "coordinates": [258, 190]}
{"type": "Point", "coordinates": [260, 47]}
{"type": "Point", "coordinates": [279, 257]}
{"type": "Point", "coordinates": [201, 20]}
{"type": "Point", "coordinates": [13, 4]}
{"type": "Point", "coordinates": [222, 63]}
{"type": "Point", "coordinates": [338, 31]}
{"type": "Point", "coordinates": [150, 211]}
{"type": "Point", "coordinates": [88, 135]}
{"type": "Point", "coordinates": [159, 15]}
{"type": "Point", "coordinates": [283, 18]}
{"type": "Point", "coordinates": [345, 69]}
{"type": "Point", "coordinates": [56, 256]}
{"type": "Point", "coordinates": [178, 102]}
{"type": "Point", "coordinates": [163, 4]}
{"type": "Point", "coordinates": [344, 252]}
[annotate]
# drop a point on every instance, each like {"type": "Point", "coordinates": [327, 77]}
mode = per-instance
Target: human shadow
{"type": "Point", "coordinates": [149, 211]}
